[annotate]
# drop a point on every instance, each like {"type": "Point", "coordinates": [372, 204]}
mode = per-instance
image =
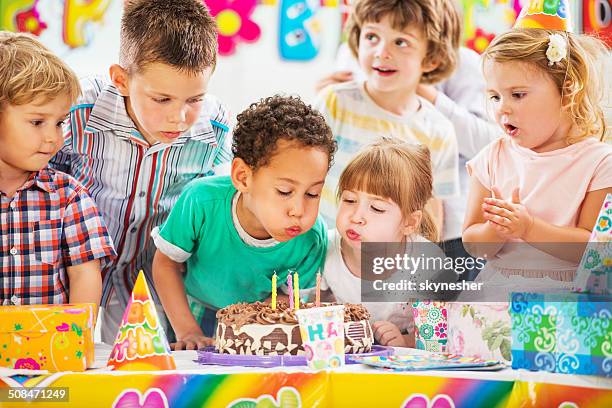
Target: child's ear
{"type": "Point", "coordinates": [241, 175]}
{"type": "Point", "coordinates": [430, 65]}
{"type": "Point", "coordinates": [119, 76]}
{"type": "Point", "coordinates": [412, 222]}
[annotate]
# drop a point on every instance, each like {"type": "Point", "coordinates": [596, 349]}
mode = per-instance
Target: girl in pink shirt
{"type": "Point", "coordinates": [540, 187]}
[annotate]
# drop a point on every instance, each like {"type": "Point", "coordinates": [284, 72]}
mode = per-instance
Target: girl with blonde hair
{"type": "Point", "coordinates": [382, 194]}
{"type": "Point", "coordinates": [540, 187]}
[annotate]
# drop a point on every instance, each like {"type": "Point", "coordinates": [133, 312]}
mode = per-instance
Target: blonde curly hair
{"type": "Point", "coordinates": [577, 76]}
{"type": "Point", "coordinates": [30, 71]}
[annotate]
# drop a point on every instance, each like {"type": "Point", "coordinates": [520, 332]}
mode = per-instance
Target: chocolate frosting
{"type": "Point", "coordinates": [240, 314]}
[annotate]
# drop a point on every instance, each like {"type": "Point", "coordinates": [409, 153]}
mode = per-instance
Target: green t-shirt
{"type": "Point", "coordinates": [221, 268]}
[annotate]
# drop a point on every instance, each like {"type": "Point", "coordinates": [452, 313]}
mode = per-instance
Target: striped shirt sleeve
{"type": "Point", "coordinates": [222, 128]}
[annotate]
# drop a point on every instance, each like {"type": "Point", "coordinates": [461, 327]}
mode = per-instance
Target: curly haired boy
{"type": "Point", "coordinates": [233, 233]}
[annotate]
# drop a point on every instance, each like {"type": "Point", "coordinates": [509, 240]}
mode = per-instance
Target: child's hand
{"type": "Point", "coordinates": [333, 78]}
{"type": "Point", "coordinates": [388, 334]}
{"type": "Point", "coordinates": [428, 92]}
{"type": "Point", "coordinates": [509, 219]}
{"type": "Point", "coordinates": [192, 341]}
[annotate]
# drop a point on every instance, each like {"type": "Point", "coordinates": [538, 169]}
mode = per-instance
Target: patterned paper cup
{"type": "Point", "coordinates": [322, 330]}
{"type": "Point", "coordinates": [431, 326]}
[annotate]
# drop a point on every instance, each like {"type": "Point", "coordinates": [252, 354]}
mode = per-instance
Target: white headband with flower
{"type": "Point", "coordinates": [557, 49]}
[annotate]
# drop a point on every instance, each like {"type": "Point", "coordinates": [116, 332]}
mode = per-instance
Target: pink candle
{"type": "Point", "coordinates": [290, 289]}
{"type": "Point", "coordinates": [318, 291]}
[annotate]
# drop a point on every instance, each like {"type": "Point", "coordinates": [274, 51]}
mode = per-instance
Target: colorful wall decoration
{"type": "Point", "coordinates": [77, 15]}
{"type": "Point", "coordinates": [597, 17]}
{"type": "Point", "coordinates": [24, 16]}
{"type": "Point", "coordinates": [484, 19]}
{"type": "Point", "coordinates": [234, 23]}
{"type": "Point", "coordinates": [21, 16]}
{"type": "Point", "coordinates": [299, 29]}
{"type": "Point", "coordinates": [299, 32]}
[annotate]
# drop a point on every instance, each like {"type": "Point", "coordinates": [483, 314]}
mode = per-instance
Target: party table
{"type": "Point", "coordinates": [195, 385]}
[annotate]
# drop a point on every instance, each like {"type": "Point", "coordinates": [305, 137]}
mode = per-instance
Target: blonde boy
{"type": "Point", "coordinates": [52, 236]}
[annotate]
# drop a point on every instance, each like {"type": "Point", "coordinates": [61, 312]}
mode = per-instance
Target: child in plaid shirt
{"type": "Point", "coordinates": [52, 237]}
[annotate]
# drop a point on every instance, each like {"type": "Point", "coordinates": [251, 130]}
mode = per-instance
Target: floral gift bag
{"type": "Point", "coordinates": [430, 325]}
{"type": "Point", "coordinates": [479, 330]}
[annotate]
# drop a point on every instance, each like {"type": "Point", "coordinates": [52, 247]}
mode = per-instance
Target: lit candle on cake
{"type": "Point", "coordinates": [290, 289]}
{"type": "Point", "coordinates": [296, 289]}
{"type": "Point", "coordinates": [274, 291]}
{"type": "Point", "coordinates": [318, 291]}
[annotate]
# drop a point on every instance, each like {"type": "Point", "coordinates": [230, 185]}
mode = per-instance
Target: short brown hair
{"type": "Point", "coordinates": [398, 171]}
{"type": "Point", "coordinates": [261, 125]}
{"type": "Point", "coordinates": [179, 33]}
{"type": "Point", "coordinates": [577, 77]}
{"type": "Point", "coordinates": [30, 70]}
{"type": "Point", "coordinates": [438, 19]}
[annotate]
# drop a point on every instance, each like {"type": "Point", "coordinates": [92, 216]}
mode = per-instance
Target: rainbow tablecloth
{"type": "Point", "coordinates": [192, 385]}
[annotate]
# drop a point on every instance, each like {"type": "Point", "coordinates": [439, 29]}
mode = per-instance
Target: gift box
{"type": "Point", "coordinates": [565, 333]}
{"type": "Point", "coordinates": [430, 325]}
{"type": "Point", "coordinates": [594, 273]}
{"type": "Point", "coordinates": [480, 330]}
{"type": "Point", "coordinates": [47, 337]}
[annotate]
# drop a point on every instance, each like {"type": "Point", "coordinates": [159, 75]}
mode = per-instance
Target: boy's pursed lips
{"type": "Point", "coordinates": [293, 231]}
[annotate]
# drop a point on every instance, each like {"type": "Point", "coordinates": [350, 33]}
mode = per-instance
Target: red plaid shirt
{"type": "Point", "coordinates": [49, 224]}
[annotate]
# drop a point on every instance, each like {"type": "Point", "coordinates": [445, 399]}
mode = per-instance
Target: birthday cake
{"type": "Point", "coordinates": [257, 329]}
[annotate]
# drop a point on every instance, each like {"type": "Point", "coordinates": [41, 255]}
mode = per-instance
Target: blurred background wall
{"type": "Point", "coordinates": [266, 46]}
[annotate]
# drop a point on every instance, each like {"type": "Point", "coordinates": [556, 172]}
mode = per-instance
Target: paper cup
{"type": "Point", "coordinates": [322, 330]}
{"type": "Point", "coordinates": [430, 320]}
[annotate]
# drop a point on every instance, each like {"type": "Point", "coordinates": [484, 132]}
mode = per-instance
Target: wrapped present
{"type": "Point", "coordinates": [479, 329]}
{"type": "Point", "coordinates": [565, 333]}
{"type": "Point", "coordinates": [430, 325]}
{"type": "Point", "coordinates": [594, 273]}
{"type": "Point", "coordinates": [47, 337]}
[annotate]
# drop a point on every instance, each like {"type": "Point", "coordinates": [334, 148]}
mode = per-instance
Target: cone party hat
{"type": "Point", "coordinates": [547, 14]}
{"type": "Point", "coordinates": [141, 343]}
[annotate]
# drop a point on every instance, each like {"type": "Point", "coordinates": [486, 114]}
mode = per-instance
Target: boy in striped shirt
{"type": "Point", "coordinates": [52, 237]}
{"type": "Point", "coordinates": [137, 140]}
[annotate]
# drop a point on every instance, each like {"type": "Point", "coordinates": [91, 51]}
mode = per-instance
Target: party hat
{"type": "Point", "coordinates": [547, 14]}
{"type": "Point", "coordinates": [141, 342]}
{"type": "Point", "coordinates": [594, 273]}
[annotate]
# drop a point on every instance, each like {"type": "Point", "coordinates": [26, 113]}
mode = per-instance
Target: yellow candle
{"type": "Point", "coordinates": [274, 291]}
{"type": "Point", "coordinates": [318, 291]}
{"type": "Point", "coordinates": [296, 290]}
